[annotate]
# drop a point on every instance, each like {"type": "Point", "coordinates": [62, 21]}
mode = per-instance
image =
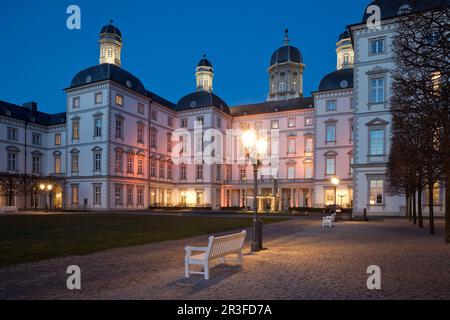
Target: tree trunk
{"type": "Point", "coordinates": [407, 206]}
{"type": "Point", "coordinates": [419, 207]}
{"type": "Point", "coordinates": [431, 206]}
{"type": "Point", "coordinates": [410, 208]}
{"type": "Point", "coordinates": [414, 208]}
{"type": "Point", "coordinates": [447, 207]}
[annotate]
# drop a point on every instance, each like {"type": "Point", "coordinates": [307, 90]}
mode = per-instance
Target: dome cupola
{"type": "Point", "coordinates": [110, 44]}
{"type": "Point", "coordinates": [204, 75]}
{"type": "Point", "coordinates": [286, 72]}
{"type": "Point", "coordinates": [344, 51]}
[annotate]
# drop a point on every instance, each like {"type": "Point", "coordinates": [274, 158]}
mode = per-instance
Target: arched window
{"type": "Point", "coordinates": [282, 87]}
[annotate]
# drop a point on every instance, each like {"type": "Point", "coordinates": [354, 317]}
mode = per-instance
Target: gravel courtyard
{"type": "Point", "coordinates": [303, 261]}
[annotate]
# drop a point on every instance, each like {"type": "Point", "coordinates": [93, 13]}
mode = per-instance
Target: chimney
{"type": "Point", "coordinates": [32, 106]}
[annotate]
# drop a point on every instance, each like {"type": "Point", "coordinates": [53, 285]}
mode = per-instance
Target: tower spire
{"type": "Point", "coordinates": [286, 37]}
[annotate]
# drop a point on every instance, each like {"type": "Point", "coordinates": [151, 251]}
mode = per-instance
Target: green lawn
{"type": "Point", "coordinates": [32, 238]}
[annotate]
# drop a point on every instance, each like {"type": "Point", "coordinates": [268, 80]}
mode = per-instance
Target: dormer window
{"type": "Point", "coordinates": [128, 83]}
{"type": "Point", "coordinates": [88, 79]}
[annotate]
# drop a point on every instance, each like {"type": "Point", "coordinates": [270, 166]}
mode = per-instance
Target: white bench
{"type": "Point", "coordinates": [328, 221]}
{"type": "Point", "coordinates": [8, 209]}
{"type": "Point", "coordinates": [218, 248]}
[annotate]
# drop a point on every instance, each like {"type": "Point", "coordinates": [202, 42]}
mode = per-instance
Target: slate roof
{"type": "Point", "coordinates": [390, 8]}
{"type": "Point", "coordinates": [337, 80]}
{"type": "Point", "coordinates": [25, 114]}
{"type": "Point", "coordinates": [273, 106]}
{"type": "Point", "coordinates": [201, 99]}
{"type": "Point", "coordinates": [106, 71]}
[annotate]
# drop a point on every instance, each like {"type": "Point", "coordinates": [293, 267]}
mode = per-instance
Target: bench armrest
{"type": "Point", "coordinates": [190, 249]}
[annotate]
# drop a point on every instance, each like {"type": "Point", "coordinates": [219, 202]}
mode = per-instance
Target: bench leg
{"type": "Point", "coordinates": [186, 269]}
{"type": "Point", "coordinates": [206, 266]}
{"type": "Point", "coordinates": [239, 259]}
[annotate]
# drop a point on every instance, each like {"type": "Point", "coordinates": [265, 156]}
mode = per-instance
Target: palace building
{"type": "Point", "coordinates": [113, 147]}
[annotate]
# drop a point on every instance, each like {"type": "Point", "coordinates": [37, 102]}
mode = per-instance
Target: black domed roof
{"type": "Point", "coordinates": [286, 54]}
{"type": "Point", "coordinates": [344, 35]}
{"type": "Point", "coordinates": [204, 63]}
{"type": "Point", "coordinates": [111, 31]}
{"type": "Point", "coordinates": [337, 80]}
{"type": "Point", "coordinates": [201, 99]}
{"type": "Point", "coordinates": [393, 8]}
{"type": "Point", "coordinates": [110, 28]}
{"type": "Point", "coordinates": [107, 71]}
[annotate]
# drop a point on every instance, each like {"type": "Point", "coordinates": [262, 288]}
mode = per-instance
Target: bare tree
{"type": "Point", "coordinates": [421, 96]}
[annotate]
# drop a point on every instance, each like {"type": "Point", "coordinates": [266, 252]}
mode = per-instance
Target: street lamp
{"type": "Point", "coordinates": [259, 148]}
{"type": "Point", "coordinates": [335, 182]}
{"type": "Point", "coordinates": [46, 188]}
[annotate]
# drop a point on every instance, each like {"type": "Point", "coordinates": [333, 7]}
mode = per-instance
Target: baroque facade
{"type": "Point", "coordinates": [120, 146]}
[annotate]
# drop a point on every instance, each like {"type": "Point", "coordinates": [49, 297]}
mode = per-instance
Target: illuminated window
{"type": "Point", "coordinates": [376, 191]}
{"type": "Point", "coordinates": [75, 130]}
{"type": "Point", "coordinates": [243, 174]}
{"type": "Point", "coordinates": [274, 124]}
{"type": "Point", "coordinates": [291, 123]}
{"type": "Point", "coordinates": [119, 100]}
{"type": "Point", "coordinates": [309, 122]}
{"type": "Point", "coordinates": [75, 193]}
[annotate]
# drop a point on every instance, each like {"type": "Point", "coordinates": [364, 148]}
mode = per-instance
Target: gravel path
{"type": "Point", "coordinates": [302, 262]}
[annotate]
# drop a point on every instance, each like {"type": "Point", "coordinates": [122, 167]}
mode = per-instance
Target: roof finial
{"type": "Point", "coordinates": [204, 56]}
{"type": "Point", "coordinates": [111, 21]}
{"type": "Point", "coordinates": [286, 36]}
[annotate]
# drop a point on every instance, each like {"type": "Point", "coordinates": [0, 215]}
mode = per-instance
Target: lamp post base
{"type": "Point", "coordinates": [257, 243]}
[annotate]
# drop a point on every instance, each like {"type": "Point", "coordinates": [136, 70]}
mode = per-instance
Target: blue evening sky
{"type": "Point", "coordinates": [164, 40]}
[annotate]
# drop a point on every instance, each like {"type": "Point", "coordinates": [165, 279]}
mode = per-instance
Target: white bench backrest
{"type": "Point", "coordinates": [221, 245]}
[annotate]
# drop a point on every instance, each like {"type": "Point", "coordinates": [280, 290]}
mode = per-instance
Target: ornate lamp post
{"type": "Point", "coordinates": [257, 147]}
{"type": "Point", "coordinates": [335, 181]}
{"type": "Point", "coordinates": [46, 188]}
